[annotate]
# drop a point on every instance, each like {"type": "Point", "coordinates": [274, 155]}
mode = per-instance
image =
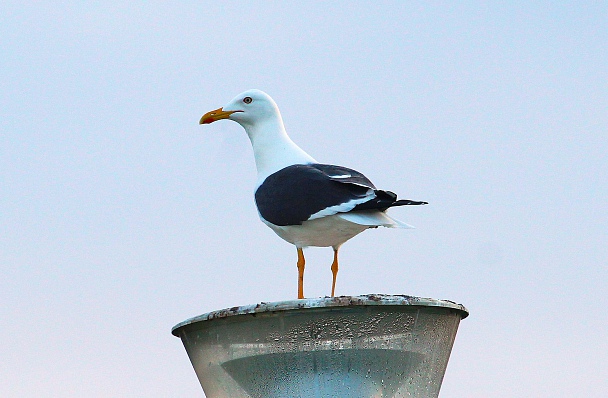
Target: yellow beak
{"type": "Point", "coordinates": [216, 115]}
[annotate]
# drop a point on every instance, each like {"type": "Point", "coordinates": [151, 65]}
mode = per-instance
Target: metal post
{"type": "Point", "coordinates": [349, 346]}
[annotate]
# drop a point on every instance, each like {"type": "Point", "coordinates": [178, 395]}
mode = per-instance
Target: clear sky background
{"type": "Point", "coordinates": [120, 216]}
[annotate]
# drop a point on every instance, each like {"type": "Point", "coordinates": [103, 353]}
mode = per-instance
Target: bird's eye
{"type": "Point", "coordinates": [247, 100]}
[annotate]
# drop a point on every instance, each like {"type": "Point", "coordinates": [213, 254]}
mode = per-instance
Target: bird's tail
{"type": "Point", "coordinates": [373, 218]}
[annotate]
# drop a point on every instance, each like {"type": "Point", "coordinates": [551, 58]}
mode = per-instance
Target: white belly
{"type": "Point", "coordinates": [322, 232]}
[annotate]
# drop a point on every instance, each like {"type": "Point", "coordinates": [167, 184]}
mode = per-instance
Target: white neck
{"type": "Point", "coordinates": [272, 148]}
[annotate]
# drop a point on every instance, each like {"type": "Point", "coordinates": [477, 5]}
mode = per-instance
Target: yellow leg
{"type": "Point", "coordinates": [334, 271]}
{"type": "Point", "coordinates": [301, 263]}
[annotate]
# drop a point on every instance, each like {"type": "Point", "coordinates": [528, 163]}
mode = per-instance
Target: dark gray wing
{"type": "Point", "coordinates": [293, 194]}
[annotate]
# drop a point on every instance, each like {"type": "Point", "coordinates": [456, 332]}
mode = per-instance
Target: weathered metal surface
{"type": "Point", "coordinates": [324, 302]}
{"type": "Point", "coordinates": [350, 347]}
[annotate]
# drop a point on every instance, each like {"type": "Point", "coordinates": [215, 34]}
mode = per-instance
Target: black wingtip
{"type": "Point", "coordinates": [407, 202]}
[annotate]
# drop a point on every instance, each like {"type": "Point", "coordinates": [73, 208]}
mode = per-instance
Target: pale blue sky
{"type": "Point", "coordinates": [120, 216]}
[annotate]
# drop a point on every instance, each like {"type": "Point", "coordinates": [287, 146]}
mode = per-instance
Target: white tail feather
{"type": "Point", "coordinates": [373, 218]}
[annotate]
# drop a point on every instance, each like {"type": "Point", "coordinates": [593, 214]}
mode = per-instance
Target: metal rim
{"type": "Point", "coordinates": [325, 302]}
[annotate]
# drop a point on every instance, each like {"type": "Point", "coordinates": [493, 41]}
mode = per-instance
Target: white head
{"type": "Point", "coordinates": [250, 108]}
{"type": "Point", "coordinates": [260, 117]}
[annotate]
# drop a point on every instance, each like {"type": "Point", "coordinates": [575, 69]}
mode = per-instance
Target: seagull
{"type": "Point", "coordinates": [305, 202]}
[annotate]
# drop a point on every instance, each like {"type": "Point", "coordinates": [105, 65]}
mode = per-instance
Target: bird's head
{"type": "Point", "coordinates": [247, 109]}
